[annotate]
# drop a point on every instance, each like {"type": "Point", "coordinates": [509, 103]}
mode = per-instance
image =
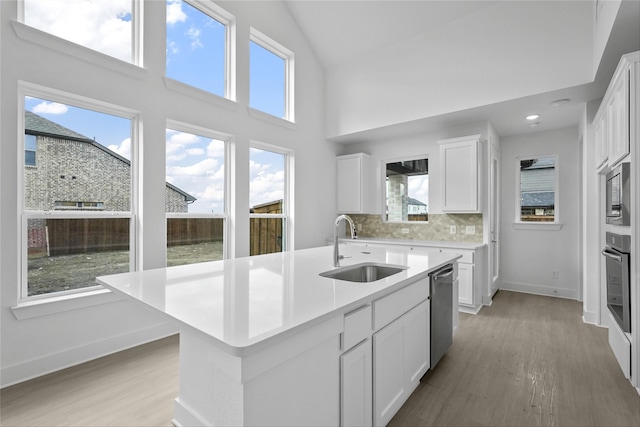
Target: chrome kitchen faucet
{"type": "Point", "coordinates": [336, 255]}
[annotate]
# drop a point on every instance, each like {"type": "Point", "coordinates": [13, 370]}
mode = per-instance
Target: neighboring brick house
{"type": "Point", "coordinates": [68, 171]}
{"type": "Point", "coordinates": [65, 170]}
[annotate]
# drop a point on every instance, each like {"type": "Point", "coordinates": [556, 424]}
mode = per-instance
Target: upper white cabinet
{"type": "Point", "coordinates": [460, 174]}
{"type": "Point", "coordinates": [356, 184]}
{"type": "Point", "coordinates": [611, 123]}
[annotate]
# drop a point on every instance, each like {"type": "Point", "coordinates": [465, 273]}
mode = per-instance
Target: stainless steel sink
{"type": "Point", "coordinates": [363, 273]}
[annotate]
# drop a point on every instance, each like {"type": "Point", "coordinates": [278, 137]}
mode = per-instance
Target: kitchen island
{"type": "Point", "coordinates": [266, 340]}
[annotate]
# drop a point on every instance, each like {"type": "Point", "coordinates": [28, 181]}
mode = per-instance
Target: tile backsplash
{"type": "Point", "coordinates": [437, 228]}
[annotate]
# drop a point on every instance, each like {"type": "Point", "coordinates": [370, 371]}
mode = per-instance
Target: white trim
{"type": "Point", "coordinates": [536, 289]}
{"type": "Point", "coordinates": [538, 226]}
{"type": "Point", "coordinates": [33, 368]}
{"type": "Point", "coordinates": [383, 179]}
{"type": "Point", "coordinates": [288, 56]}
{"type": "Point", "coordinates": [63, 301]}
{"type": "Point", "coordinates": [77, 51]}
{"type": "Point", "coordinates": [270, 118]}
{"type": "Point", "coordinates": [194, 92]}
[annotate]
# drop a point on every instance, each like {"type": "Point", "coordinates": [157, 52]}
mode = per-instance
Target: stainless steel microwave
{"type": "Point", "coordinates": [618, 196]}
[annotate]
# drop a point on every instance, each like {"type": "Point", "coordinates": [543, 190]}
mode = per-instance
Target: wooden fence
{"type": "Point", "coordinates": [73, 236]}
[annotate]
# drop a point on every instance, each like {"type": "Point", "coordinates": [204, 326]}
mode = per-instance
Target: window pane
{"type": "Point", "coordinates": [83, 157]}
{"type": "Point", "coordinates": [537, 189]}
{"type": "Point", "coordinates": [267, 235]}
{"type": "Point", "coordinates": [266, 181]}
{"type": "Point", "coordinates": [196, 46]}
{"type": "Point", "coordinates": [104, 26]}
{"type": "Point", "coordinates": [267, 81]}
{"type": "Point", "coordinates": [66, 254]}
{"type": "Point", "coordinates": [191, 240]}
{"type": "Point", "coordinates": [195, 173]}
{"type": "Point", "coordinates": [407, 190]}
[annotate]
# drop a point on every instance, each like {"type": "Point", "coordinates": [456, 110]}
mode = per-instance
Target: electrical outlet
{"type": "Point", "coordinates": [555, 274]}
{"type": "Point", "coordinates": [359, 227]}
{"type": "Point", "coordinates": [471, 229]}
{"type": "Point", "coordinates": [452, 229]}
{"type": "Point", "coordinates": [405, 231]}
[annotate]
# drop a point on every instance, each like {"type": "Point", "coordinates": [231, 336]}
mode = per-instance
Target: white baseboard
{"type": "Point", "coordinates": [590, 317]}
{"type": "Point", "coordinates": [24, 371]}
{"type": "Point", "coordinates": [530, 288]}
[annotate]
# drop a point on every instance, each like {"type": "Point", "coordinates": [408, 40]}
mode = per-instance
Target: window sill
{"type": "Point", "coordinates": [97, 295]}
{"type": "Point", "coordinates": [50, 41]}
{"type": "Point", "coordinates": [271, 119]}
{"type": "Point", "coordinates": [203, 95]}
{"type": "Point", "coordinates": [540, 226]}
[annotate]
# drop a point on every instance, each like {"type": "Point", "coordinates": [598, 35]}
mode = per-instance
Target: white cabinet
{"type": "Point", "coordinates": [611, 122]}
{"type": "Point", "coordinates": [400, 358]}
{"type": "Point", "coordinates": [465, 283]}
{"type": "Point", "coordinates": [460, 174]}
{"type": "Point", "coordinates": [355, 386]}
{"type": "Point", "coordinates": [356, 184]}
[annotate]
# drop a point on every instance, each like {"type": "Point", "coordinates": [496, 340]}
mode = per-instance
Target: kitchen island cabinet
{"type": "Point", "coordinates": [262, 339]}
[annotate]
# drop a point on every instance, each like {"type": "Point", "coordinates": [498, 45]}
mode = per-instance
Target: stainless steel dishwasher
{"type": "Point", "coordinates": [441, 297]}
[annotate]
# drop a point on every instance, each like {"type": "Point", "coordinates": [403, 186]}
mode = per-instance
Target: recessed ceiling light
{"type": "Point", "coordinates": [559, 102]}
{"type": "Point", "coordinates": [533, 116]}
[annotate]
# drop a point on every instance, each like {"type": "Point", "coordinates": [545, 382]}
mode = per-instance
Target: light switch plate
{"type": "Point", "coordinates": [452, 229]}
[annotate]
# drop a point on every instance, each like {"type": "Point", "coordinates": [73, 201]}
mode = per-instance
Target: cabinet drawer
{"type": "Point", "coordinates": [391, 307]}
{"type": "Point", "coordinates": [357, 327]}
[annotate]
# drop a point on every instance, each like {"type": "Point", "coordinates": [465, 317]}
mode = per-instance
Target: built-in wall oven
{"type": "Point", "coordinates": [617, 255]}
{"type": "Point", "coordinates": [618, 196]}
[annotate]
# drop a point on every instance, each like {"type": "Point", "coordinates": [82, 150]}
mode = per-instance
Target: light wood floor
{"type": "Point", "coordinates": [525, 361]}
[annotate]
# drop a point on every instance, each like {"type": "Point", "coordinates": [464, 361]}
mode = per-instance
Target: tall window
{"type": "Point", "coordinates": [537, 189]}
{"type": "Point", "coordinates": [198, 51]}
{"type": "Point", "coordinates": [195, 196]}
{"type": "Point", "coordinates": [30, 146]}
{"type": "Point", "coordinates": [77, 198]}
{"type": "Point", "coordinates": [271, 77]}
{"type": "Point", "coordinates": [104, 26]}
{"type": "Point", "coordinates": [268, 200]}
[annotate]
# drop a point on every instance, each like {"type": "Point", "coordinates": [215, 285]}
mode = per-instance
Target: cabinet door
{"type": "Point", "coordinates": [601, 136]}
{"type": "Point", "coordinates": [350, 184]}
{"type": "Point", "coordinates": [459, 163]}
{"type": "Point", "coordinates": [465, 284]}
{"type": "Point", "coordinates": [619, 121]}
{"type": "Point", "coordinates": [400, 358]}
{"type": "Point", "coordinates": [355, 384]}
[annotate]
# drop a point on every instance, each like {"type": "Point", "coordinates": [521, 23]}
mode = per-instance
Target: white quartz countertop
{"type": "Point", "coordinates": [440, 244]}
{"type": "Point", "coordinates": [242, 304]}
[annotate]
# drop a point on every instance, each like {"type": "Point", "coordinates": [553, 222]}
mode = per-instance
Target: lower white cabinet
{"type": "Point", "coordinates": [355, 386]}
{"type": "Point", "coordinates": [465, 283]}
{"type": "Point", "coordinates": [400, 358]}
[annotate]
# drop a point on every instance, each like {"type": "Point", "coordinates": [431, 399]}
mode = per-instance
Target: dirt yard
{"type": "Point", "coordinates": [66, 272]}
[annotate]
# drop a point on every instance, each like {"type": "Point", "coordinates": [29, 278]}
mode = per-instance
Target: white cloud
{"type": "Point", "coordinates": [46, 107]}
{"type": "Point", "coordinates": [174, 12]}
{"type": "Point", "coordinates": [194, 34]}
{"type": "Point", "coordinates": [195, 151]}
{"type": "Point", "coordinates": [206, 167]}
{"type": "Point", "coordinates": [124, 149]}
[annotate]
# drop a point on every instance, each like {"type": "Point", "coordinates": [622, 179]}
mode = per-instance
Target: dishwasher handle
{"type": "Point", "coordinates": [443, 274]}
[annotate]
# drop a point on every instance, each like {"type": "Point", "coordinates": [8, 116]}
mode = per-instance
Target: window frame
{"type": "Point", "coordinates": [225, 18]}
{"type": "Point", "coordinates": [383, 169]}
{"type": "Point", "coordinates": [228, 191]}
{"type": "Point", "coordinates": [289, 73]}
{"type": "Point", "coordinates": [287, 202]}
{"type": "Point", "coordinates": [32, 90]}
{"type": "Point", "coordinates": [518, 223]}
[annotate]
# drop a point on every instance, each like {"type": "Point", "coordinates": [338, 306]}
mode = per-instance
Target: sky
{"type": "Point", "coordinates": [195, 42]}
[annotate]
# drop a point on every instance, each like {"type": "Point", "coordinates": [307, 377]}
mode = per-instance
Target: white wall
{"type": "Point", "coordinates": [54, 336]}
{"type": "Point", "coordinates": [529, 256]}
{"type": "Point", "coordinates": [447, 68]}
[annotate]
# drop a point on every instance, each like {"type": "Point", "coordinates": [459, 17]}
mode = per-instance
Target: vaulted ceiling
{"type": "Point", "coordinates": [344, 33]}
